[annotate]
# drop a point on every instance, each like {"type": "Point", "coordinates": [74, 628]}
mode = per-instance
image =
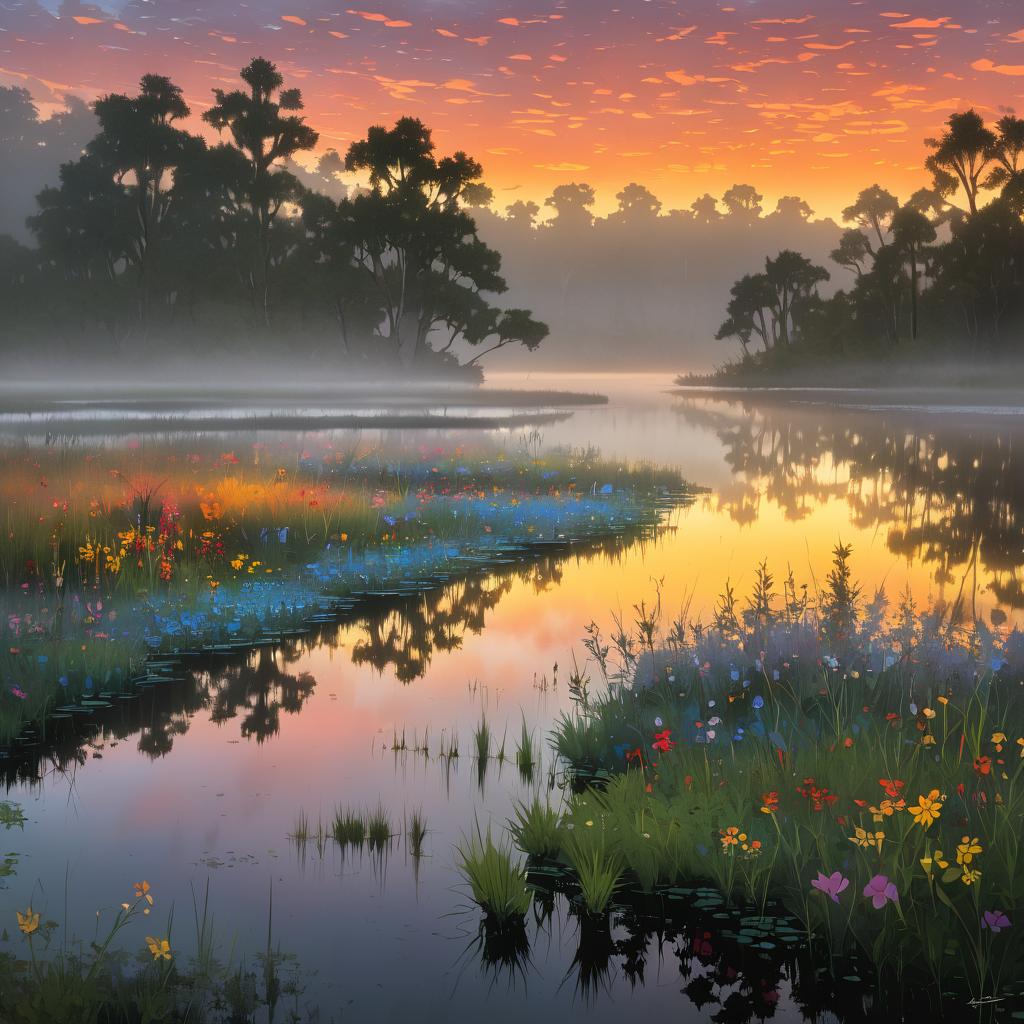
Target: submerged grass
{"type": "Point", "coordinates": [415, 833]}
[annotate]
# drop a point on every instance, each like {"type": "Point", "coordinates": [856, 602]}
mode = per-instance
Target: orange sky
{"type": "Point", "coordinates": [818, 99]}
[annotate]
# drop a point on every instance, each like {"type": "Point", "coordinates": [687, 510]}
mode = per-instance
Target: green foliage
{"type": "Point", "coordinates": [598, 871]}
{"type": "Point", "coordinates": [497, 882]}
{"type": "Point", "coordinates": [535, 829]}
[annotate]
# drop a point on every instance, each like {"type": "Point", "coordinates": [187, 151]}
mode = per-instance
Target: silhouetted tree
{"type": "Point", "coordinates": [637, 204]}
{"type": "Point", "coordinates": [705, 209]}
{"type": "Point", "coordinates": [266, 136]}
{"type": "Point", "coordinates": [743, 202]}
{"type": "Point", "coordinates": [571, 204]}
{"type": "Point", "coordinates": [960, 155]}
{"type": "Point", "coordinates": [873, 210]}
{"type": "Point", "coordinates": [911, 232]}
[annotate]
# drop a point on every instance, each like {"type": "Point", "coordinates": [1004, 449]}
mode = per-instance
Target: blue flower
{"type": "Point", "coordinates": [758, 702]}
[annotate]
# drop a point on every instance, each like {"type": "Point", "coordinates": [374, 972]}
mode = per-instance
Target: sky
{"type": "Point", "coordinates": [817, 98]}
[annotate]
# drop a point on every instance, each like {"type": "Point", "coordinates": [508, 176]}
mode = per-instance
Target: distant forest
{"type": "Point", "coordinates": [146, 239]}
{"type": "Point", "coordinates": [943, 270]}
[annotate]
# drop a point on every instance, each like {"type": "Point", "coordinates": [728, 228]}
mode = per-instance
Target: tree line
{"type": "Point", "coordinates": [152, 232]}
{"type": "Point", "coordinates": [945, 268]}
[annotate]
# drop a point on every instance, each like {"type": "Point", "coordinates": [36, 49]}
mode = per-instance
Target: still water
{"type": "Point", "coordinates": [202, 782]}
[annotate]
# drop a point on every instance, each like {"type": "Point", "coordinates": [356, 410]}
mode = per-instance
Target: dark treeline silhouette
{"type": "Point", "coordinates": [150, 236]}
{"type": "Point", "coordinates": [942, 271]}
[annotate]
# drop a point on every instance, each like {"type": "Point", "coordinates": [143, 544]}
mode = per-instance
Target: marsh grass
{"type": "Point", "coordinates": [496, 880]}
{"type": "Point", "coordinates": [534, 828]}
{"type": "Point", "coordinates": [415, 833]}
{"type": "Point", "coordinates": [598, 870]}
{"type": "Point", "coordinates": [525, 754]}
{"type": "Point", "coordinates": [348, 829]}
{"type": "Point", "coordinates": [482, 739]}
{"type": "Point", "coordinates": [378, 829]}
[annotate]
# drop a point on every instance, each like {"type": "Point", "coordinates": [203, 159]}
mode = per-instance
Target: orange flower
{"type": "Point", "coordinates": [983, 765]}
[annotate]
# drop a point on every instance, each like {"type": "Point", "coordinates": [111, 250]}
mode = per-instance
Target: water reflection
{"type": "Point", "coordinates": [396, 634]}
{"type": "Point", "coordinates": [949, 491]}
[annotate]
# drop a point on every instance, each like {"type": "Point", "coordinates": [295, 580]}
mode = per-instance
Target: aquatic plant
{"type": "Point", "coordinates": [534, 828]}
{"type": "Point", "coordinates": [497, 882]}
{"type": "Point", "coordinates": [597, 869]}
{"type": "Point", "coordinates": [482, 739]}
{"type": "Point", "coordinates": [415, 833]}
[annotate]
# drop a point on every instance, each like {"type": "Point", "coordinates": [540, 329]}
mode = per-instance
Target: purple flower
{"type": "Point", "coordinates": [880, 891]}
{"type": "Point", "coordinates": [831, 885]}
{"type": "Point", "coordinates": [995, 921]}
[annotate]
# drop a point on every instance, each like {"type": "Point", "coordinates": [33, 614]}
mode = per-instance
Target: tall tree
{"type": "Point", "coordinates": [705, 209]}
{"type": "Point", "coordinates": [873, 210]}
{"type": "Point", "coordinates": [752, 299]}
{"type": "Point", "coordinates": [522, 213]}
{"type": "Point", "coordinates": [265, 128]}
{"type": "Point", "coordinates": [139, 142]}
{"type": "Point", "coordinates": [1008, 152]}
{"type": "Point", "coordinates": [911, 232]}
{"type": "Point", "coordinates": [793, 280]}
{"type": "Point", "coordinates": [960, 155]}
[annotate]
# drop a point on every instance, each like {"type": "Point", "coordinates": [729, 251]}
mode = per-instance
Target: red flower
{"type": "Point", "coordinates": [634, 755]}
{"type": "Point", "coordinates": [983, 765]}
{"type": "Point", "coordinates": [662, 741]}
{"type": "Point", "coordinates": [892, 787]}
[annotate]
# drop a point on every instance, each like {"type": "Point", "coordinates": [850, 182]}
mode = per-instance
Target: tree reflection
{"type": "Point", "coordinates": [400, 634]}
{"type": "Point", "coordinates": [950, 490]}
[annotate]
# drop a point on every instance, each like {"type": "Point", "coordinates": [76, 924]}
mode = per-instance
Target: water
{"type": "Point", "coordinates": [202, 781]}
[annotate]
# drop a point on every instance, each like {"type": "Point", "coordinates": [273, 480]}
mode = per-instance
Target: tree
{"type": "Point", "coordinates": [793, 280]}
{"type": "Point", "coordinates": [419, 249]}
{"type": "Point", "coordinates": [793, 208]}
{"type": "Point", "coordinates": [266, 136]}
{"type": "Point", "coordinates": [960, 156]}
{"type": "Point", "coordinates": [873, 210]}
{"type": "Point", "coordinates": [137, 140]}
{"type": "Point", "coordinates": [1007, 152]}
{"type": "Point", "coordinates": [571, 204]}
{"type": "Point", "coordinates": [705, 209]}
{"type": "Point", "coordinates": [749, 312]}
{"type": "Point", "coordinates": [911, 232]}
{"type": "Point", "coordinates": [743, 202]}
{"type": "Point", "coordinates": [637, 204]}
{"type": "Point", "coordinates": [522, 213]}
{"type": "Point", "coordinates": [853, 251]}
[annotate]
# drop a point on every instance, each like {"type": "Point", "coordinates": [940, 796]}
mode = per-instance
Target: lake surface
{"type": "Point", "coordinates": [204, 781]}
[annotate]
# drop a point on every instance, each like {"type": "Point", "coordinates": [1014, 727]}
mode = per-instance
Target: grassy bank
{"type": "Point", "coordinates": [110, 555]}
{"type": "Point", "coordinates": [856, 768]}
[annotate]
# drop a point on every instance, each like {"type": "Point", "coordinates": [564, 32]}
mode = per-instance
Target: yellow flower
{"type": "Point", "coordinates": [999, 738]}
{"type": "Point", "coordinates": [142, 892]}
{"type": "Point", "coordinates": [928, 712]}
{"type": "Point", "coordinates": [160, 948]}
{"type": "Point", "coordinates": [969, 877]}
{"type": "Point", "coordinates": [943, 700]}
{"type": "Point", "coordinates": [864, 839]}
{"type": "Point", "coordinates": [928, 809]}
{"type": "Point", "coordinates": [589, 824]}
{"type": "Point", "coordinates": [936, 858]}
{"type": "Point", "coordinates": [732, 836]}
{"type": "Point", "coordinates": [29, 921]}
{"type": "Point", "coordinates": [967, 850]}
{"type": "Point", "coordinates": [928, 741]}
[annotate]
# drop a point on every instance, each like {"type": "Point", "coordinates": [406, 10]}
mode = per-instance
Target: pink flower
{"type": "Point", "coordinates": [881, 891]}
{"type": "Point", "coordinates": [995, 921]}
{"type": "Point", "coordinates": [831, 885]}
{"type": "Point", "coordinates": [20, 694]}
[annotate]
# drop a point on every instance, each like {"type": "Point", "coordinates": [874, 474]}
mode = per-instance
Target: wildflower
{"type": "Point", "coordinates": [998, 739]}
{"type": "Point", "coordinates": [967, 849]}
{"type": "Point", "coordinates": [881, 891]}
{"type": "Point", "coordinates": [831, 885]}
{"type": "Point", "coordinates": [928, 712]}
{"type": "Point", "coordinates": [970, 876]}
{"type": "Point", "coordinates": [943, 700]}
{"type": "Point", "coordinates": [865, 839]}
{"type": "Point", "coordinates": [757, 703]}
{"type": "Point", "coordinates": [160, 948]}
{"type": "Point", "coordinates": [928, 809]}
{"type": "Point", "coordinates": [886, 809]}
{"type": "Point", "coordinates": [983, 765]}
{"type": "Point", "coordinates": [662, 741]}
{"type": "Point", "coordinates": [142, 892]}
{"type": "Point", "coordinates": [935, 859]}
{"type": "Point", "coordinates": [770, 803]}
{"type": "Point", "coordinates": [892, 787]}
{"type": "Point", "coordinates": [732, 836]}
{"type": "Point", "coordinates": [28, 922]}
{"type": "Point", "coordinates": [819, 796]}
{"type": "Point", "coordinates": [589, 824]}
{"type": "Point", "coordinates": [994, 921]}
{"type": "Point", "coordinates": [19, 693]}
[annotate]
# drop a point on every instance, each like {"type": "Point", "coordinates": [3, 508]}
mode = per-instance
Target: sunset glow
{"type": "Point", "coordinates": [684, 97]}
